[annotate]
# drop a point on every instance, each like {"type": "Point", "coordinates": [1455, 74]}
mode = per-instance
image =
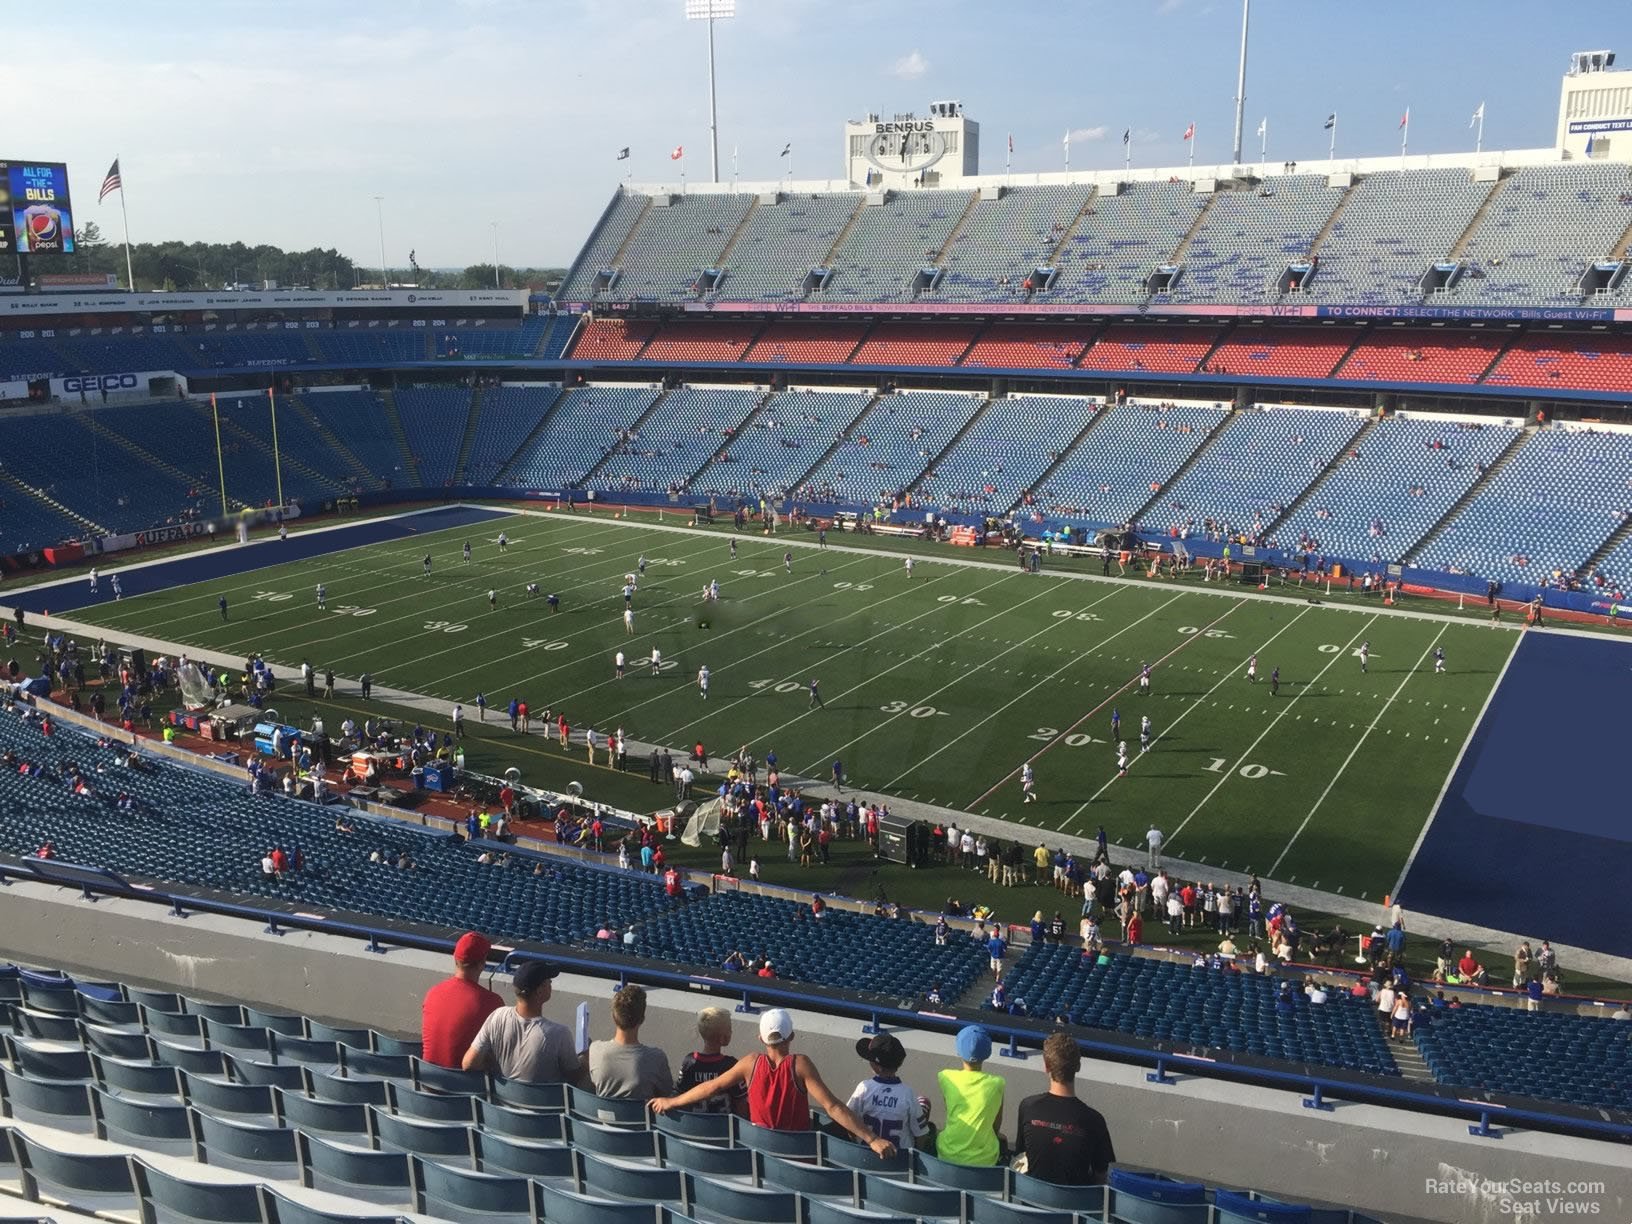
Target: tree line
{"type": "Point", "coordinates": [184, 266]}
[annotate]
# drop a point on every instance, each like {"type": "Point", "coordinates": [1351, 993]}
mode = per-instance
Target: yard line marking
{"type": "Point", "coordinates": [1422, 834]}
{"type": "Point", "coordinates": [855, 645]}
{"type": "Point", "coordinates": [1230, 773]}
{"type": "Point", "coordinates": [1364, 735]}
{"type": "Point", "coordinates": [1074, 658]}
{"type": "Point", "coordinates": [1196, 705]}
{"type": "Point", "coordinates": [934, 646]}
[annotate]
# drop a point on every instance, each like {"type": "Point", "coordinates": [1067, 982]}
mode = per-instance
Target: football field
{"type": "Point", "coordinates": [938, 686]}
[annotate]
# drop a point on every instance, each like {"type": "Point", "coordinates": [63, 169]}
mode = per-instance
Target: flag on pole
{"type": "Point", "coordinates": [1405, 119]}
{"type": "Point", "coordinates": [1068, 142]}
{"type": "Point", "coordinates": [1263, 126]}
{"type": "Point", "coordinates": [1331, 121]}
{"type": "Point", "coordinates": [112, 183]}
{"type": "Point", "coordinates": [1478, 115]}
{"type": "Point", "coordinates": [1190, 132]}
{"type": "Point", "coordinates": [623, 153]}
{"type": "Point", "coordinates": [679, 152]}
{"type": "Point", "coordinates": [1127, 135]}
{"type": "Point", "coordinates": [787, 150]}
{"type": "Point", "coordinates": [1011, 142]}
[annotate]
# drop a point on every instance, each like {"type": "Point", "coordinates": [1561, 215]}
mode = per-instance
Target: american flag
{"type": "Point", "coordinates": [112, 183]}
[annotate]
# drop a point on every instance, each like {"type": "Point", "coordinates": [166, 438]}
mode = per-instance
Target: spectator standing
{"type": "Point", "coordinates": [623, 1068]}
{"type": "Point", "coordinates": [455, 1008]}
{"type": "Point", "coordinates": [781, 1086]}
{"type": "Point", "coordinates": [1063, 1140]}
{"type": "Point", "coordinates": [521, 1043]}
{"type": "Point", "coordinates": [974, 1104]}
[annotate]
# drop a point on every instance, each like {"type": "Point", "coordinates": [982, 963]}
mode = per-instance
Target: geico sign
{"type": "Point", "coordinates": [101, 382]}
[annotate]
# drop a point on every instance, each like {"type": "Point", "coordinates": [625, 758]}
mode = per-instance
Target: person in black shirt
{"type": "Point", "coordinates": [1064, 1141]}
{"type": "Point", "coordinates": [700, 1066]}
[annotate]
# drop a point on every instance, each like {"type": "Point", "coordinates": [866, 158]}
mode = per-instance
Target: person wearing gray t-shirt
{"type": "Point", "coordinates": [519, 1043]}
{"type": "Point", "coordinates": [622, 1067]}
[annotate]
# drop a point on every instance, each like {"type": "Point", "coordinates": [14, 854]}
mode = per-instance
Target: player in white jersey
{"type": "Point", "coordinates": [322, 598]}
{"type": "Point", "coordinates": [504, 542]}
{"type": "Point", "coordinates": [629, 621]}
{"type": "Point", "coordinates": [492, 599]}
{"type": "Point", "coordinates": [118, 591]}
{"type": "Point", "coordinates": [702, 681]}
{"type": "Point", "coordinates": [1122, 758]}
{"type": "Point", "coordinates": [1252, 670]}
{"type": "Point", "coordinates": [1439, 654]}
{"type": "Point", "coordinates": [714, 590]}
{"type": "Point", "coordinates": [1144, 679]}
{"type": "Point", "coordinates": [883, 1101]}
{"type": "Point", "coordinates": [909, 564]}
{"type": "Point", "coordinates": [617, 664]}
{"type": "Point", "coordinates": [628, 594]}
{"type": "Point", "coordinates": [1144, 734]}
{"type": "Point", "coordinates": [657, 660]}
{"type": "Point", "coordinates": [92, 577]}
{"type": "Point", "coordinates": [1027, 781]}
{"type": "Point", "coordinates": [1365, 654]}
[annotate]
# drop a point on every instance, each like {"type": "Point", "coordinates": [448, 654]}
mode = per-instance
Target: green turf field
{"type": "Point", "coordinates": [938, 687]}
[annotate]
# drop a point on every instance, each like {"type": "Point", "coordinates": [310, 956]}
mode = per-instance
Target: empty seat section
{"type": "Point", "coordinates": [890, 243]}
{"type": "Point", "coordinates": [890, 446]}
{"type": "Point", "coordinates": [434, 419]}
{"type": "Point", "coordinates": [770, 455]}
{"type": "Point", "coordinates": [782, 241]}
{"type": "Point", "coordinates": [1253, 470]}
{"type": "Point", "coordinates": [1550, 1055]}
{"type": "Point", "coordinates": [253, 471]}
{"type": "Point", "coordinates": [1121, 239]}
{"type": "Point", "coordinates": [585, 426]}
{"type": "Point", "coordinates": [676, 440]}
{"type": "Point", "coordinates": [1549, 508]}
{"type": "Point", "coordinates": [505, 419]}
{"type": "Point", "coordinates": [715, 340]}
{"type": "Point", "coordinates": [1540, 233]}
{"type": "Point", "coordinates": [1420, 355]}
{"type": "Point", "coordinates": [489, 338]}
{"type": "Point", "coordinates": [1003, 453]}
{"type": "Point", "coordinates": [1007, 239]}
{"type": "Point", "coordinates": [1170, 1001]}
{"type": "Point", "coordinates": [372, 343]}
{"type": "Point", "coordinates": [1395, 225]}
{"type": "Point", "coordinates": [1554, 360]}
{"type": "Point", "coordinates": [359, 420]}
{"type": "Point", "coordinates": [1260, 352]}
{"type": "Point", "coordinates": [1125, 460]}
{"type": "Point", "coordinates": [1160, 349]}
{"type": "Point", "coordinates": [612, 339]}
{"type": "Point", "coordinates": [677, 238]}
{"type": "Point", "coordinates": [1396, 483]}
{"type": "Point", "coordinates": [1248, 236]}
{"type": "Point", "coordinates": [610, 234]}
{"type": "Point", "coordinates": [807, 340]}
{"type": "Point", "coordinates": [915, 344]}
{"type": "Point", "coordinates": [1029, 346]}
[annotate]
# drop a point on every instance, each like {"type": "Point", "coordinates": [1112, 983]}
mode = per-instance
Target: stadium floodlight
{"type": "Point", "coordinates": [712, 11]}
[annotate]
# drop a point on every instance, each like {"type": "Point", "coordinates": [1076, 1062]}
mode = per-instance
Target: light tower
{"type": "Point", "coordinates": [711, 11]}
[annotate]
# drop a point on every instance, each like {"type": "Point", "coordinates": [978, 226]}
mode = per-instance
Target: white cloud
{"type": "Point", "coordinates": [910, 67]}
{"type": "Point", "coordinates": [1088, 134]}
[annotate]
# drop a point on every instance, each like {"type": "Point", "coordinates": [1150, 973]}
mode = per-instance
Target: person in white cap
{"type": "Point", "coordinates": [782, 1086]}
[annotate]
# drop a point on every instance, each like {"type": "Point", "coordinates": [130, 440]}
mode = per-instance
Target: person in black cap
{"type": "Point", "coordinates": [519, 1043]}
{"type": "Point", "coordinates": [883, 1102]}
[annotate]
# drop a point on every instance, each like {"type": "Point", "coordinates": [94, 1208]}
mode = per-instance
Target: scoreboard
{"type": "Point", "coordinates": [36, 215]}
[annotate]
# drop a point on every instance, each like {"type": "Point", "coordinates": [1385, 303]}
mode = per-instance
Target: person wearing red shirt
{"type": "Point", "coordinates": [1467, 966]}
{"type": "Point", "coordinates": [671, 882]}
{"type": "Point", "coordinates": [1136, 929]}
{"type": "Point", "coordinates": [454, 1009]}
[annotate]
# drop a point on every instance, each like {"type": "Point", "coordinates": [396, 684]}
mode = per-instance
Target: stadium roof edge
{"type": "Point", "coordinates": [1505, 159]}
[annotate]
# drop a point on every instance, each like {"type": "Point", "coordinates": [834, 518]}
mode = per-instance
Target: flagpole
{"type": "Point", "coordinates": [124, 219]}
{"type": "Point", "coordinates": [733, 169]}
{"type": "Point", "coordinates": [1008, 158]}
{"type": "Point", "coordinates": [1127, 151]}
{"type": "Point", "coordinates": [220, 463]}
{"type": "Point", "coordinates": [277, 455]}
{"type": "Point", "coordinates": [1263, 145]}
{"type": "Point", "coordinates": [1331, 149]}
{"type": "Point", "coordinates": [1405, 133]}
{"type": "Point", "coordinates": [1479, 136]}
{"type": "Point", "coordinates": [1192, 143]}
{"type": "Point", "coordinates": [1068, 152]}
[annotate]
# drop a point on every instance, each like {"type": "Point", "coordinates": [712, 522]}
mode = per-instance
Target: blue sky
{"type": "Point", "coordinates": [279, 122]}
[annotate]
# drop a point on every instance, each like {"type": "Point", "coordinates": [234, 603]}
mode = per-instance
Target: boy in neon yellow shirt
{"type": "Point", "coordinates": [974, 1104]}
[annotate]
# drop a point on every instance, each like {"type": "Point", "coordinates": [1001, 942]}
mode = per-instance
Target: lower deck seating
{"type": "Point", "coordinates": [1126, 459]}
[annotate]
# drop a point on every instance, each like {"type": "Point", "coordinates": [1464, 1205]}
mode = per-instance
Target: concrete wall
{"type": "Point", "coordinates": [1380, 1160]}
